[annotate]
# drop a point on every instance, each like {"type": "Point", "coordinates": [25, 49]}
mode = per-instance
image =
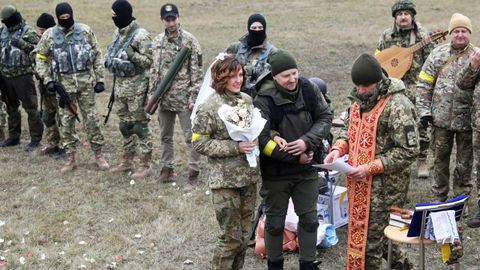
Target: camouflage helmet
{"type": "Point", "coordinates": [403, 5]}
{"type": "Point", "coordinates": [7, 12]}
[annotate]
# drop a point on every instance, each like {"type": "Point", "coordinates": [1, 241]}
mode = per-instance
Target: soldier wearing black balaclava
{"type": "Point", "coordinates": [68, 55]}
{"type": "Point", "coordinates": [128, 57]}
{"type": "Point", "coordinates": [17, 41]}
{"type": "Point", "coordinates": [253, 50]}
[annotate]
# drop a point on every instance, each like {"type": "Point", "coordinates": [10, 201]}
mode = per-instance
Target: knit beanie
{"type": "Point", "coordinates": [282, 60]}
{"type": "Point", "coordinates": [459, 20]}
{"type": "Point", "coordinates": [366, 70]}
{"type": "Point", "coordinates": [45, 21]}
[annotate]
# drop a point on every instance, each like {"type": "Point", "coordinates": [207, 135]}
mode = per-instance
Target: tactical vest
{"type": "Point", "coordinates": [71, 55]}
{"type": "Point", "coordinates": [116, 60]}
{"type": "Point", "coordinates": [256, 67]}
{"type": "Point", "coordinates": [11, 56]}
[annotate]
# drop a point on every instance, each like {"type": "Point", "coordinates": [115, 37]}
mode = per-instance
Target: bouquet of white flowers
{"type": "Point", "coordinates": [244, 123]}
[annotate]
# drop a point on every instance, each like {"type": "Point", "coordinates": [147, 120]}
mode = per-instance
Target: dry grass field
{"type": "Point", "coordinates": [96, 220]}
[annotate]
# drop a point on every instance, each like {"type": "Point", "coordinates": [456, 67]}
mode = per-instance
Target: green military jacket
{"type": "Point", "coordinates": [297, 124]}
{"type": "Point", "coordinates": [31, 37]}
{"type": "Point", "coordinates": [227, 167]}
{"type": "Point", "coordinates": [440, 96]}
{"type": "Point", "coordinates": [142, 57]}
{"type": "Point", "coordinates": [70, 81]}
{"type": "Point", "coordinates": [187, 82]}
{"type": "Point", "coordinates": [469, 80]}
{"type": "Point", "coordinates": [397, 145]}
{"type": "Point", "coordinates": [400, 38]}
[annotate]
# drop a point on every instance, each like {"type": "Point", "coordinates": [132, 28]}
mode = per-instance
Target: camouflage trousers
{"type": "Point", "coordinates": [134, 124]}
{"type": "Point", "coordinates": [424, 141]}
{"type": "Point", "coordinates": [443, 140]}
{"type": "Point", "coordinates": [166, 119]}
{"type": "Point", "coordinates": [49, 117]}
{"type": "Point", "coordinates": [84, 98]}
{"type": "Point", "coordinates": [476, 153]}
{"type": "Point", "coordinates": [304, 193]}
{"type": "Point", "coordinates": [234, 208]}
{"type": "Point", "coordinates": [21, 89]}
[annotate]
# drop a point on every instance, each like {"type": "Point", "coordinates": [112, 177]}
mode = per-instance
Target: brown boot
{"type": "Point", "coordinates": [100, 160]}
{"type": "Point", "coordinates": [422, 168]}
{"type": "Point", "coordinates": [71, 164]}
{"type": "Point", "coordinates": [192, 181]}
{"type": "Point", "coordinates": [125, 165]}
{"type": "Point", "coordinates": [474, 222]}
{"type": "Point", "coordinates": [143, 170]}
{"type": "Point", "coordinates": [166, 175]}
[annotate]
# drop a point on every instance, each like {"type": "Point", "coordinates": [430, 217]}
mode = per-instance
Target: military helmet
{"type": "Point", "coordinates": [403, 5]}
{"type": "Point", "coordinates": [7, 12]}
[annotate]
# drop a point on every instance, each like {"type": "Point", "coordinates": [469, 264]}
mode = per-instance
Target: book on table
{"type": "Point", "coordinates": [397, 220]}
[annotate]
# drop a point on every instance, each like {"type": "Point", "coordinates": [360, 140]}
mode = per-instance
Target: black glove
{"type": "Point", "coordinates": [22, 45]}
{"type": "Point", "coordinates": [51, 87]}
{"type": "Point", "coordinates": [426, 121]}
{"type": "Point", "coordinates": [99, 87]}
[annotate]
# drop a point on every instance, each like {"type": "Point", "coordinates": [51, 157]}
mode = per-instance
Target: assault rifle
{"type": "Point", "coordinates": [65, 100]}
{"type": "Point", "coordinates": [166, 82]}
{"type": "Point", "coordinates": [110, 101]}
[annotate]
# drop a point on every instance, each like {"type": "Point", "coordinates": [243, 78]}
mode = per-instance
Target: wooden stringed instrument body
{"type": "Point", "coordinates": [397, 60]}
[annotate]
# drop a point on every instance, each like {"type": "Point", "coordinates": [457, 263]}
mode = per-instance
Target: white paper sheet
{"type": "Point", "coordinates": [338, 165]}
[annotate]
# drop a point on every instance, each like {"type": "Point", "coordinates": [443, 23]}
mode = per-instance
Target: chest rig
{"type": "Point", "coordinates": [10, 55]}
{"type": "Point", "coordinates": [116, 60]}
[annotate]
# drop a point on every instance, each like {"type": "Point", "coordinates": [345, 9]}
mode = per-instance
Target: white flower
{"type": "Point", "coordinates": [241, 124]}
{"type": "Point", "coordinates": [221, 56]}
{"type": "Point", "coordinates": [243, 112]}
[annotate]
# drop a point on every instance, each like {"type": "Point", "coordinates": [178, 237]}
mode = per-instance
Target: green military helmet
{"type": "Point", "coordinates": [7, 11]}
{"type": "Point", "coordinates": [403, 5]}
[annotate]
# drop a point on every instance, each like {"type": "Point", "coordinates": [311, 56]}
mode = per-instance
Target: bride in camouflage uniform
{"type": "Point", "coordinates": [232, 181]}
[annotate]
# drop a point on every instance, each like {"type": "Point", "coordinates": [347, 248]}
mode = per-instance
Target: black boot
{"type": "Point", "coordinates": [310, 265]}
{"type": "Point", "coordinates": [278, 265]}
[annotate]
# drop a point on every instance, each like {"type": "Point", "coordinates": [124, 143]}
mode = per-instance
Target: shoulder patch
{"type": "Point", "coordinates": [411, 138]}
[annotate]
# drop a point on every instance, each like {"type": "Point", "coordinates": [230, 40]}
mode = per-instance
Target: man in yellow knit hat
{"type": "Point", "coordinates": [446, 107]}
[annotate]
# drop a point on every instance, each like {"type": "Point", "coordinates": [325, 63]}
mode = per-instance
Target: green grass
{"type": "Point", "coordinates": [88, 217]}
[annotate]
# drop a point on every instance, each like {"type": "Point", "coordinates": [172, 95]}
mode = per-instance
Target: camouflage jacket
{"type": "Point", "coordinates": [440, 96]}
{"type": "Point", "coordinates": [142, 57]}
{"type": "Point", "coordinates": [70, 81]}
{"type": "Point", "coordinates": [187, 82]}
{"type": "Point", "coordinates": [469, 80]}
{"type": "Point", "coordinates": [298, 123]}
{"type": "Point", "coordinates": [31, 37]}
{"type": "Point", "coordinates": [396, 144]}
{"type": "Point", "coordinates": [395, 37]}
{"type": "Point", "coordinates": [228, 168]}
{"type": "Point", "coordinates": [255, 60]}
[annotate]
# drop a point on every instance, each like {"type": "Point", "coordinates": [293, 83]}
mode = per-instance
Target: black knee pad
{"type": "Point", "coordinates": [141, 130]}
{"type": "Point", "coordinates": [274, 225]}
{"type": "Point", "coordinates": [308, 221]}
{"type": "Point", "coordinates": [48, 119]}
{"type": "Point", "coordinates": [126, 129]}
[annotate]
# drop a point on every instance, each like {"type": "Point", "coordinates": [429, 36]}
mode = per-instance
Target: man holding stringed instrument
{"type": "Point", "coordinates": [446, 107]}
{"type": "Point", "coordinates": [405, 33]}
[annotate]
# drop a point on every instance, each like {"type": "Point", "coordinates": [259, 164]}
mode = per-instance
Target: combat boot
{"type": "Point", "coordinates": [278, 265]}
{"type": "Point", "coordinates": [100, 160]}
{"type": "Point", "coordinates": [475, 221]}
{"type": "Point", "coordinates": [166, 175]}
{"type": "Point", "coordinates": [422, 168]}
{"type": "Point", "coordinates": [192, 181]}
{"type": "Point", "coordinates": [71, 163]}
{"type": "Point", "coordinates": [309, 265]}
{"type": "Point", "coordinates": [125, 165]}
{"type": "Point", "coordinates": [143, 171]}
